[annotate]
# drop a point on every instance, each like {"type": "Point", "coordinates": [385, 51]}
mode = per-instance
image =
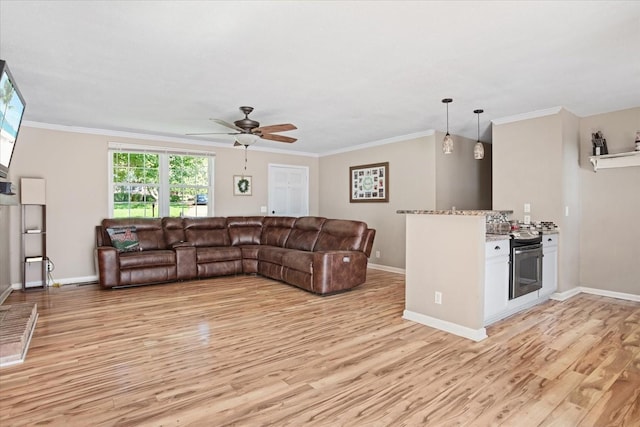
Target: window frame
{"type": "Point", "coordinates": [163, 201]}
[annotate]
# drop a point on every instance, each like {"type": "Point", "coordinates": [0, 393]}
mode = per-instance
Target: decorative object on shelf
{"type": "Point", "coordinates": [638, 140]}
{"type": "Point", "coordinates": [369, 183]}
{"type": "Point", "coordinates": [242, 185]}
{"type": "Point", "coordinates": [478, 149]}
{"type": "Point", "coordinates": [599, 144]}
{"type": "Point", "coordinates": [447, 142]}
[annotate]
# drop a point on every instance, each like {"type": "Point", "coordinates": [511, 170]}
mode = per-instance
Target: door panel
{"type": "Point", "coordinates": [288, 190]}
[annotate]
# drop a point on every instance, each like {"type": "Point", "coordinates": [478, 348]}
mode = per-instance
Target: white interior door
{"type": "Point", "coordinates": [288, 190]}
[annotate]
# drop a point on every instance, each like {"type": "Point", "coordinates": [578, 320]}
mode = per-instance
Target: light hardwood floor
{"type": "Point", "coordinates": [250, 351]}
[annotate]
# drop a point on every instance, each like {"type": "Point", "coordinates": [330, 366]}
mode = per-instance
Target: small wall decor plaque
{"type": "Point", "coordinates": [369, 183]}
{"type": "Point", "coordinates": [242, 185]}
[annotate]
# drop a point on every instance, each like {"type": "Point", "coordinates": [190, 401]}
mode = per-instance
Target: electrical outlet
{"type": "Point", "coordinates": [527, 207]}
{"type": "Point", "coordinates": [438, 298]}
{"type": "Point", "coordinates": [527, 219]}
{"type": "Point", "coordinates": [566, 211]}
{"type": "Point", "coordinates": [377, 254]}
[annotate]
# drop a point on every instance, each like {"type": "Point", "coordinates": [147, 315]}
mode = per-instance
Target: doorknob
{"type": "Point", "coordinates": [273, 212]}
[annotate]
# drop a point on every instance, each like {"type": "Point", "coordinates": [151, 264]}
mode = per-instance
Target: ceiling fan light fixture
{"type": "Point", "coordinates": [478, 149]}
{"type": "Point", "coordinates": [247, 138]}
{"type": "Point", "coordinates": [447, 142]}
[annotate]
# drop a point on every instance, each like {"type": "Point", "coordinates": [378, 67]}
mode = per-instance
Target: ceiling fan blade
{"type": "Point", "coordinates": [212, 133]}
{"type": "Point", "coordinates": [279, 138]}
{"type": "Point", "coordinates": [276, 128]}
{"type": "Point", "coordinates": [227, 124]}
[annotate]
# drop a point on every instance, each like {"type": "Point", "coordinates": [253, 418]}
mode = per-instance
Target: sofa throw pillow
{"type": "Point", "coordinates": [124, 239]}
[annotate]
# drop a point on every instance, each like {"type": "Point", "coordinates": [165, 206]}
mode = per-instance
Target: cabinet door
{"type": "Point", "coordinates": [549, 270]}
{"type": "Point", "coordinates": [496, 278]}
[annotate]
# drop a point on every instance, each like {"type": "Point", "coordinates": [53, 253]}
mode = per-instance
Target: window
{"type": "Point", "coordinates": [153, 183]}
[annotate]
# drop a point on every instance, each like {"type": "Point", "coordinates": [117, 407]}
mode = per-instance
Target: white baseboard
{"type": "Point", "coordinates": [610, 294]}
{"type": "Point", "coordinates": [562, 296]}
{"type": "Point", "coordinates": [5, 294]}
{"type": "Point", "coordinates": [386, 268]}
{"type": "Point", "coordinates": [65, 281]}
{"type": "Point", "coordinates": [443, 325]}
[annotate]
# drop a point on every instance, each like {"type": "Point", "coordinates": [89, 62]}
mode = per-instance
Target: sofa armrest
{"type": "Point", "coordinates": [186, 260]}
{"type": "Point", "coordinates": [183, 245]}
{"type": "Point", "coordinates": [335, 271]}
{"type": "Point", "coordinates": [107, 258]}
{"type": "Point", "coordinates": [368, 242]}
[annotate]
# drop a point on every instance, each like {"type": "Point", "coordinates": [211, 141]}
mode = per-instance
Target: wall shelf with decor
{"type": "Point", "coordinates": [620, 160]}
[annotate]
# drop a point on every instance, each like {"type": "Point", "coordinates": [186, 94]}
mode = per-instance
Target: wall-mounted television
{"type": "Point", "coordinates": [11, 111]}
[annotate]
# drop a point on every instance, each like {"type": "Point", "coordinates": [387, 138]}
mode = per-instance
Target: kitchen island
{"type": "Point", "coordinates": [445, 269]}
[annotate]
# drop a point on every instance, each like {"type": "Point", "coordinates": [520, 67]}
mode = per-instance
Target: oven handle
{"type": "Point", "coordinates": [528, 250]}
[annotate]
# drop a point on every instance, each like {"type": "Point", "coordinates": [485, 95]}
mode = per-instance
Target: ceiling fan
{"type": "Point", "coordinates": [248, 131]}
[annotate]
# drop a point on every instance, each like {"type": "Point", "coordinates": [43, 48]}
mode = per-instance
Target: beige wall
{"type": "Point", "coordinates": [545, 161]}
{"type": "Point", "coordinates": [421, 177]}
{"type": "Point", "coordinates": [74, 166]}
{"type": "Point", "coordinates": [535, 162]}
{"type": "Point", "coordinates": [610, 232]}
{"type": "Point", "coordinates": [462, 181]}
{"type": "Point", "coordinates": [412, 186]}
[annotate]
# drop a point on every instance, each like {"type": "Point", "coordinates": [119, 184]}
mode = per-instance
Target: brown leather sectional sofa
{"type": "Point", "coordinates": [317, 254]}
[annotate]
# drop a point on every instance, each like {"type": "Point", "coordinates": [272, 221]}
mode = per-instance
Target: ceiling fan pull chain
{"type": "Point", "coordinates": [246, 147]}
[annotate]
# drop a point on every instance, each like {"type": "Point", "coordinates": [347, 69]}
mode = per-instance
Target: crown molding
{"type": "Point", "coordinates": [526, 116]}
{"type": "Point", "coordinates": [385, 141]}
{"type": "Point", "coordinates": [153, 137]}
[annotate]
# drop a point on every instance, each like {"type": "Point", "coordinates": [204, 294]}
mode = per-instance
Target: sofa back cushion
{"type": "Point", "coordinates": [305, 232]}
{"type": "Point", "coordinates": [244, 230]}
{"type": "Point", "coordinates": [276, 229]}
{"type": "Point", "coordinates": [149, 231]}
{"type": "Point", "coordinates": [173, 230]}
{"type": "Point", "coordinates": [208, 231]}
{"type": "Point", "coordinates": [342, 235]}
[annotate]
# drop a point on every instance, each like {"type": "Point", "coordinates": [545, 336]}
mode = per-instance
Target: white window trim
{"type": "Point", "coordinates": [163, 208]}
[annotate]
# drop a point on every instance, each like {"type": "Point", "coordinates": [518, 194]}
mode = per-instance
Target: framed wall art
{"type": "Point", "coordinates": [242, 185]}
{"type": "Point", "coordinates": [369, 183]}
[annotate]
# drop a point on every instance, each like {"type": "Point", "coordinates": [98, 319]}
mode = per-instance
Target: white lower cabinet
{"type": "Point", "coordinates": [496, 277]}
{"type": "Point", "coordinates": [549, 264]}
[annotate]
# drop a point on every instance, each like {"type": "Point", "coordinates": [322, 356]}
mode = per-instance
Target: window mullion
{"type": "Point", "coordinates": [163, 203]}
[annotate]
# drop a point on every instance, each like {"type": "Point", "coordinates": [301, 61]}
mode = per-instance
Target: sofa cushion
{"type": "Point", "coordinates": [244, 230]}
{"type": "Point", "coordinates": [149, 231]}
{"type": "Point", "coordinates": [217, 254]}
{"type": "Point", "coordinates": [298, 260]}
{"type": "Point", "coordinates": [305, 232]}
{"type": "Point", "coordinates": [272, 254]}
{"type": "Point", "coordinates": [124, 239]}
{"type": "Point", "coordinates": [276, 229]}
{"type": "Point", "coordinates": [147, 259]}
{"type": "Point", "coordinates": [206, 231]}
{"type": "Point", "coordinates": [341, 235]}
{"type": "Point", "coordinates": [173, 230]}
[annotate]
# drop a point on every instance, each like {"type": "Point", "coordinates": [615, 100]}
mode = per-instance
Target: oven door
{"type": "Point", "coordinates": [526, 270]}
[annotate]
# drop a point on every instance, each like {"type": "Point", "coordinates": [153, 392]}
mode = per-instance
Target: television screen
{"type": "Point", "coordinates": [11, 111]}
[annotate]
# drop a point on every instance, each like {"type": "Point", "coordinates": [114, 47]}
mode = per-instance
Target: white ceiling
{"type": "Point", "coordinates": [346, 73]}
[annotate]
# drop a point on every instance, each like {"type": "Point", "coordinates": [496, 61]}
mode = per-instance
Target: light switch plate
{"type": "Point", "coordinates": [527, 207]}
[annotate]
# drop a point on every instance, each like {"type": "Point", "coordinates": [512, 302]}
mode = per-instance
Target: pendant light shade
{"type": "Point", "coordinates": [447, 142]}
{"type": "Point", "coordinates": [478, 149]}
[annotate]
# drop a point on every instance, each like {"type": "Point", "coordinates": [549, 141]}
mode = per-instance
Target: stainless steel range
{"type": "Point", "coordinates": [525, 263]}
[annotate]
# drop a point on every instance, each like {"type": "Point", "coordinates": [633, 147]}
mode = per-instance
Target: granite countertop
{"type": "Point", "coordinates": [471, 212]}
{"type": "Point", "coordinates": [494, 237]}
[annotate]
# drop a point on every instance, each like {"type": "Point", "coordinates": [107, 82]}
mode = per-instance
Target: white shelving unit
{"type": "Point", "coordinates": [620, 160]}
{"type": "Point", "coordinates": [34, 233]}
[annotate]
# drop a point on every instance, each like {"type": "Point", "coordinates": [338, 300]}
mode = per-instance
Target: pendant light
{"type": "Point", "coordinates": [447, 142]}
{"type": "Point", "coordinates": [478, 149]}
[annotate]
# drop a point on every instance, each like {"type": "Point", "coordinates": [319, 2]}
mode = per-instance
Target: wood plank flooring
{"type": "Point", "coordinates": [248, 351]}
